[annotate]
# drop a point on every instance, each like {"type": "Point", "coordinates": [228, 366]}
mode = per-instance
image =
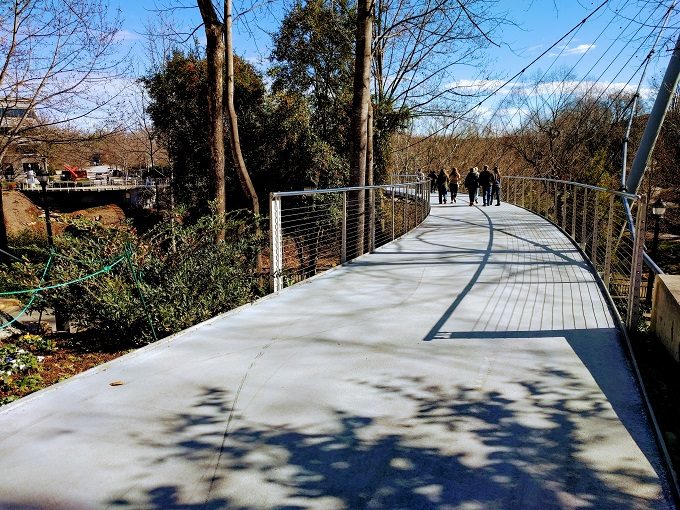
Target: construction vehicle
{"type": "Point", "coordinates": [73, 173]}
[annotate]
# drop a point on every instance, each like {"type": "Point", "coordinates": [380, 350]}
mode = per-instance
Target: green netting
{"type": "Point", "coordinates": [108, 267]}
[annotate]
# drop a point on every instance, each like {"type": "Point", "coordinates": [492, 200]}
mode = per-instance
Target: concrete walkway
{"type": "Point", "coordinates": [471, 364]}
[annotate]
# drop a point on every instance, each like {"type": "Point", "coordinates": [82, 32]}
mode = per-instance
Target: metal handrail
{"type": "Point", "coordinates": [94, 184]}
{"type": "Point", "coordinates": [589, 216]}
{"type": "Point", "coordinates": [623, 194]}
{"type": "Point", "coordinates": [276, 194]}
{"type": "Point", "coordinates": [312, 237]}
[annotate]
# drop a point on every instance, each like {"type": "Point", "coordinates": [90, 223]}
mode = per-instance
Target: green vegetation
{"type": "Point", "coordinates": [20, 363]}
{"type": "Point", "coordinates": [171, 277]}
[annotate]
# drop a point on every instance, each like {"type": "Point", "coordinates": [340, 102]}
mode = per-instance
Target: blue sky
{"type": "Point", "coordinates": [605, 54]}
{"type": "Point", "coordinates": [539, 24]}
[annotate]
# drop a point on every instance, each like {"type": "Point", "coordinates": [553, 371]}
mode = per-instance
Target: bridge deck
{"type": "Point", "coordinates": [471, 364]}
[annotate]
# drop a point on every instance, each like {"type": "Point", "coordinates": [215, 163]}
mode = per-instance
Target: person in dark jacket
{"type": "Point", "coordinates": [472, 183]}
{"type": "Point", "coordinates": [433, 181]}
{"type": "Point", "coordinates": [442, 179]}
{"type": "Point", "coordinates": [496, 186]}
{"type": "Point", "coordinates": [454, 177]}
{"type": "Point", "coordinates": [485, 181]}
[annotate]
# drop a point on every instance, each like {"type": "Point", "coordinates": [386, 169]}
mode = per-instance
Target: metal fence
{"type": "Point", "coordinates": [314, 230]}
{"type": "Point", "coordinates": [113, 184]}
{"type": "Point", "coordinates": [596, 220]}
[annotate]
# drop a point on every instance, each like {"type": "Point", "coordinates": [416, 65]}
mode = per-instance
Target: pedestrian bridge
{"type": "Point", "coordinates": [473, 362]}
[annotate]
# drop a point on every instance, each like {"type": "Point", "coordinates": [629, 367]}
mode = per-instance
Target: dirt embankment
{"type": "Point", "coordinates": [22, 214]}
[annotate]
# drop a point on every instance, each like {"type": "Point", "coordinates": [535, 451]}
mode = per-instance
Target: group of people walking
{"type": "Point", "coordinates": [486, 183]}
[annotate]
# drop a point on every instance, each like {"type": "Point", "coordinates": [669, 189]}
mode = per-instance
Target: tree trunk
{"type": "Point", "coordinates": [370, 179]}
{"type": "Point", "coordinates": [215, 51]}
{"type": "Point", "coordinates": [360, 103]}
{"type": "Point", "coordinates": [239, 163]}
{"type": "Point", "coordinates": [3, 229]}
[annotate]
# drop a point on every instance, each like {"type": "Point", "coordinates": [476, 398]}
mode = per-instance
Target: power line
{"type": "Point", "coordinates": [489, 96]}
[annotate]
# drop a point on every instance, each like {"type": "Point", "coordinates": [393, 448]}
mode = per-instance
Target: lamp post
{"type": "Point", "coordinates": [43, 177]}
{"type": "Point", "coordinates": [658, 210]}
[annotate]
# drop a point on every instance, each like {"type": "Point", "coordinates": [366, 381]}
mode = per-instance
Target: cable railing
{"type": "Point", "coordinates": [596, 220]}
{"type": "Point", "coordinates": [315, 230]}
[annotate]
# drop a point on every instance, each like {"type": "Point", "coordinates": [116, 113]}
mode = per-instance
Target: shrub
{"type": "Point", "coordinates": [35, 343]}
{"type": "Point", "coordinates": [173, 276]}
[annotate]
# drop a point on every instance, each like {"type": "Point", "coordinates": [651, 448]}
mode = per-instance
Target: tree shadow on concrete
{"type": "Point", "coordinates": [460, 448]}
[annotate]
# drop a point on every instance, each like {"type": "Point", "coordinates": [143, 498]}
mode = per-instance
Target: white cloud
{"type": "Point", "coordinates": [565, 51]}
{"type": "Point", "coordinates": [471, 87]}
{"type": "Point", "coordinates": [126, 35]}
{"type": "Point", "coordinates": [545, 88]}
{"type": "Point", "coordinates": [578, 50]}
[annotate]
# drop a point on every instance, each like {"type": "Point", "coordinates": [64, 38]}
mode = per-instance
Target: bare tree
{"type": "Point", "coordinates": [419, 43]}
{"type": "Point", "coordinates": [142, 131]}
{"type": "Point", "coordinates": [566, 129]}
{"type": "Point", "coordinates": [59, 68]}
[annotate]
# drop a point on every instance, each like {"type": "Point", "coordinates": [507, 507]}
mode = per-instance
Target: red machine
{"type": "Point", "coordinates": [73, 173]}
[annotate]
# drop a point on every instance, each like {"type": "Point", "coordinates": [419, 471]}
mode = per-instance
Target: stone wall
{"type": "Point", "coordinates": [666, 312]}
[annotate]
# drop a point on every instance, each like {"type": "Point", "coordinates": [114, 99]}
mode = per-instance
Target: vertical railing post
{"type": "Point", "coordinates": [343, 246]}
{"type": "Point", "coordinates": [535, 204]}
{"type": "Point", "coordinates": [573, 212]}
{"type": "Point", "coordinates": [610, 241]}
{"type": "Point", "coordinates": [426, 185]}
{"type": "Point", "coordinates": [276, 244]}
{"type": "Point", "coordinates": [416, 199]}
{"type": "Point", "coordinates": [530, 195]}
{"type": "Point", "coordinates": [584, 226]}
{"type": "Point", "coordinates": [530, 186]}
{"type": "Point", "coordinates": [555, 204]}
{"type": "Point", "coordinates": [371, 228]}
{"type": "Point", "coordinates": [633, 312]}
{"type": "Point", "coordinates": [406, 211]}
{"type": "Point", "coordinates": [593, 246]}
{"type": "Point", "coordinates": [536, 192]}
{"type": "Point", "coordinates": [564, 208]}
{"type": "Point", "coordinates": [394, 204]}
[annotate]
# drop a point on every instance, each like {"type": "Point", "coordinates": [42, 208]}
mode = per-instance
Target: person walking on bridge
{"type": "Point", "coordinates": [485, 181]}
{"type": "Point", "coordinates": [454, 177]}
{"type": "Point", "coordinates": [433, 181]}
{"type": "Point", "coordinates": [496, 186]}
{"type": "Point", "coordinates": [479, 190]}
{"type": "Point", "coordinates": [472, 183]}
{"type": "Point", "coordinates": [442, 178]}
